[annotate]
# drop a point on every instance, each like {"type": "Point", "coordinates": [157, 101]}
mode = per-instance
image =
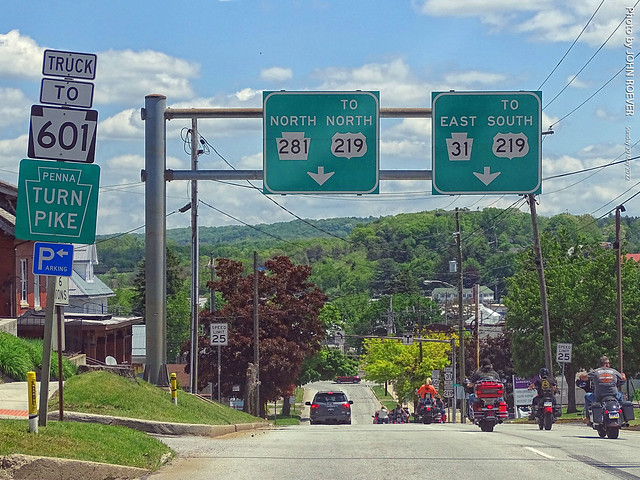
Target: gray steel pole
{"type": "Point", "coordinates": [155, 242]}
{"type": "Point", "coordinates": [195, 255]}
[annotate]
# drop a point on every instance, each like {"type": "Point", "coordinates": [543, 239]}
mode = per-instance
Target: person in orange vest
{"type": "Point", "coordinates": [427, 388]}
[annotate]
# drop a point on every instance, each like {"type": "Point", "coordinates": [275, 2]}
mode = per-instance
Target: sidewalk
{"type": "Point", "coordinates": [14, 398]}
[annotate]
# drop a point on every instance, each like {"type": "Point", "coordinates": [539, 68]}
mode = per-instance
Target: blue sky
{"type": "Point", "coordinates": [226, 53]}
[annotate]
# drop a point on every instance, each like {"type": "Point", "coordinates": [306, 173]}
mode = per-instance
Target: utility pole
{"type": "Point", "coordinates": [476, 301]}
{"type": "Point", "coordinates": [462, 376]}
{"type": "Point", "coordinates": [543, 285]}
{"type": "Point", "coordinates": [256, 333]}
{"type": "Point", "coordinates": [195, 254]}
{"type": "Point", "coordinates": [619, 208]}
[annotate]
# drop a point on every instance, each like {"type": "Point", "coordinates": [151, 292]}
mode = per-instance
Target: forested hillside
{"type": "Point", "coordinates": [379, 256]}
{"type": "Point", "coordinates": [373, 271]}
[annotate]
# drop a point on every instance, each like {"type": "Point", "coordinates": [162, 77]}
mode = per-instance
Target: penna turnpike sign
{"type": "Point", "coordinates": [57, 201]}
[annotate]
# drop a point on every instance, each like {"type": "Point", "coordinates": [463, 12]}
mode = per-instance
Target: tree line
{"type": "Point", "coordinates": [372, 275]}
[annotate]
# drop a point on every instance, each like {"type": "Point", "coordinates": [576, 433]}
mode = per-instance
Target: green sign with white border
{"type": "Point", "coordinates": [57, 201]}
{"type": "Point", "coordinates": [486, 142]}
{"type": "Point", "coordinates": [321, 142]}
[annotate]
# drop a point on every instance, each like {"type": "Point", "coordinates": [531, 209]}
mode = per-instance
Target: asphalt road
{"type": "Point", "coordinates": [366, 451]}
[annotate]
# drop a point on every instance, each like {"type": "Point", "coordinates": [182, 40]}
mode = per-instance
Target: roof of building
{"type": "Point", "coordinates": [33, 317]}
{"type": "Point", "coordinates": [487, 317]}
{"type": "Point", "coordinates": [7, 222]}
{"type": "Point", "coordinates": [79, 287]}
{"type": "Point", "coordinates": [484, 290]}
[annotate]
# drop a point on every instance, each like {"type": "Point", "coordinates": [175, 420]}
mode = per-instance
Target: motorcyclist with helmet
{"type": "Point", "coordinates": [485, 371]}
{"type": "Point", "coordinates": [544, 385]}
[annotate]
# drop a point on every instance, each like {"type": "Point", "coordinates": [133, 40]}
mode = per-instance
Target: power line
{"type": "Point", "coordinates": [245, 223]}
{"type": "Point", "coordinates": [205, 142]}
{"type": "Point", "coordinates": [585, 65]}
{"type": "Point", "coordinates": [572, 45]}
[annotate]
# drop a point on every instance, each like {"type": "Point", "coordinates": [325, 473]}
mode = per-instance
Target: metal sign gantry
{"type": "Point", "coordinates": [155, 114]}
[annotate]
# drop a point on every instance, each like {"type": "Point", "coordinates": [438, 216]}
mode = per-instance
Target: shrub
{"type": "Point", "coordinates": [19, 356]}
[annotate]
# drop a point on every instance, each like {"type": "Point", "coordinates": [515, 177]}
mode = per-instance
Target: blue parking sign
{"type": "Point", "coordinates": [52, 259]}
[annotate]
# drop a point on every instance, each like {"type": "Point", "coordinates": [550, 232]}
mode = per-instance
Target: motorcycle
{"type": "Point", "coordinates": [489, 408]}
{"type": "Point", "coordinates": [608, 415]}
{"type": "Point", "coordinates": [427, 412]}
{"type": "Point", "coordinates": [398, 416]}
{"type": "Point", "coordinates": [381, 416]}
{"type": "Point", "coordinates": [547, 411]}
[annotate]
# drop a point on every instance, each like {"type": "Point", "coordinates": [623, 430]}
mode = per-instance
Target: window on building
{"type": "Point", "coordinates": [36, 291]}
{"type": "Point", "coordinates": [24, 275]}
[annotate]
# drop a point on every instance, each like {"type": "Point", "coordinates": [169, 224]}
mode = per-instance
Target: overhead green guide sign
{"type": "Point", "coordinates": [486, 142]}
{"type": "Point", "coordinates": [321, 142]}
{"type": "Point", "coordinates": [57, 201]}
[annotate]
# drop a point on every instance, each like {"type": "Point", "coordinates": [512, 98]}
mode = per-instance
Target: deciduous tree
{"type": "Point", "coordinates": [290, 329]}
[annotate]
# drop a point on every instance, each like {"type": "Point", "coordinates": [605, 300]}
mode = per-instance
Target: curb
{"type": "Point", "coordinates": [161, 428]}
{"type": "Point", "coordinates": [30, 467]}
{"type": "Point", "coordinates": [33, 467]}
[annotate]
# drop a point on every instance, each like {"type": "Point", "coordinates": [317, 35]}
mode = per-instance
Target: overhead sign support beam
{"type": "Point", "coordinates": [155, 243]}
{"type": "Point", "coordinates": [155, 174]}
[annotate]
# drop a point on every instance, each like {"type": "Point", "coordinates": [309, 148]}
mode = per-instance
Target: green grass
{"type": "Point", "coordinates": [386, 400]}
{"type": "Point", "coordinates": [105, 393]}
{"type": "Point", "coordinates": [117, 445]}
{"type": "Point", "coordinates": [19, 356]}
{"type": "Point", "coordinates": [296, 411]}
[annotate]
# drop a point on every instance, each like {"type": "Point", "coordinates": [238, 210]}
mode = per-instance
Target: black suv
{"type": "Point", "coordinates": [330, 407]}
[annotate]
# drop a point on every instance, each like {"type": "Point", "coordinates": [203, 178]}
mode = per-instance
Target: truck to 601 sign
{"type": "Point", "coordinates": [62, 134]}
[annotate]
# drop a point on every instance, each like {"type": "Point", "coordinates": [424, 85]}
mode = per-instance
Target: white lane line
{"type": "Point", "coordinates": [538, 452]}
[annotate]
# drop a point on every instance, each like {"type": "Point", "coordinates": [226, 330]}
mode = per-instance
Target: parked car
{"type": "Point", "coordinates": [330, 407]}
{"type": "Point", "coordinates": [347, 379]}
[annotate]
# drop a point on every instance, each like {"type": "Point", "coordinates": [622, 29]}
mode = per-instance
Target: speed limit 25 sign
{"type": "Point", "coordinates": [563, 352]}
{"type": "Point", "coordinates": [62, 134]}
{"type": "Point", "coordinates": [219, 334]}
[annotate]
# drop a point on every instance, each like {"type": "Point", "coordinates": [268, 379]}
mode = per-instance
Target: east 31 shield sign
{"type": "Point", "coordinates": [57, 201]}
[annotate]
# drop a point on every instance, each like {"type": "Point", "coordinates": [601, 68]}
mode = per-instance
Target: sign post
{"type": "Point", "coordinates": [486, 142]}
{"type": "Point", "coordinates": [321, 142]}
{"type": "Point", "coordinates": [563, 355]}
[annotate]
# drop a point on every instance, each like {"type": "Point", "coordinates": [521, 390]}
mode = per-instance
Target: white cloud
{"type": "Point", "coordinates": [13, 105]}
{"type": "Point", "coordinates": [11, 152]}
{"type": "Point", "coordinates": [124, 125]}
{"type": "Point", "coordinates": [473, 78]}
{"type": "Point", "coordinates": [20, 56]}
{"type": "Point", "coordinates": [276, 74]}
{"type": "Point", "coordinates": [544, 20]}
{"type": "Point", "coordinates": [394, 79]}
{"type": "Point", "coordinates": [128, 76]}
{"type": "Point", "coordinates": [575, 82]}
{"type": "Point", "coordinates": [404, 148]}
